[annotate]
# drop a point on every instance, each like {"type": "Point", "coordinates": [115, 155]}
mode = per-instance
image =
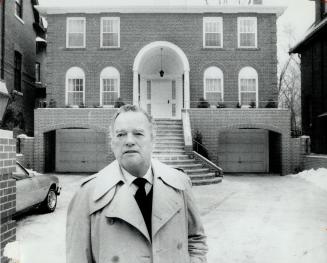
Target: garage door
{"type": "Point", "coordinates": [244, 150]}
{"type": "Point", "coordinates": [80, 150]}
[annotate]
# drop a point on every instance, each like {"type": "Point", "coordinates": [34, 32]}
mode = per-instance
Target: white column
{"type": "Point", "coordinates": [135, 87]}
{"type": "Point", "coordinates": [186, 89]}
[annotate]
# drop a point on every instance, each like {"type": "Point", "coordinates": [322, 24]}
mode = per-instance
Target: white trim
{"type": "Point", "coordinates": [180, 53]}
{"type": "Point", "coordinates": [19, 19]}
{"type": "Point", "coordinates": [112, 73]}
{"type": "Point", "coordinates": [184, 9]}
{"type": "Point", "coordinates": [84, 33]}
{"type": "Point", "coordinates": [79, 73]}
{"type": "Point", "coordinates": [257, 84]}
{"type": "Point", "coordinates": [221, 27]}
{"type": "Point", "coordinates": [101, 31]}
{"type": "Point", "coordinates": [220, 75]}
{"type": "Point", "coordinates": [243, 18]}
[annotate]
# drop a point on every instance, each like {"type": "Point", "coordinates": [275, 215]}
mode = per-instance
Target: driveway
{"type": "Point", "coordinates": [254, 219]}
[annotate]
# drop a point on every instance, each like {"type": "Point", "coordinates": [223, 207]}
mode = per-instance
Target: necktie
{"type": "Point", "coordinates": [144, 202]}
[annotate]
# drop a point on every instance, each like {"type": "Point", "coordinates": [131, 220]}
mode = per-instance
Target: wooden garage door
{"type": "Point", "coordinates": [244, 150]}
{"type": "Point", "coordinates": [80, 150]}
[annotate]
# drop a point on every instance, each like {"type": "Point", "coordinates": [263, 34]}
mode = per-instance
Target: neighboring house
{"type": "Point", "coordinates": [22, 42]}
{"type": "Point", "coordinates": [313, 51]}
{"type": "Point", "coordinates": [163, 58]}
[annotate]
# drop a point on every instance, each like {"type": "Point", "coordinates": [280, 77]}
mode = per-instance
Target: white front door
{"type": "Point", "coordinates": [161, 98]}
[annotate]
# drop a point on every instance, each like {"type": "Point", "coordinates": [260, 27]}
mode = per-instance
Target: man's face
{"type": "Point", "coordinates": [132, 142]}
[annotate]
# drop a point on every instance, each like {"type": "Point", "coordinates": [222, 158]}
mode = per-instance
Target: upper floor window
{"type": "Point", "coordinates": [37, 72]}
{"type": "Point", "coordinates": [247, 32]}
{"type": "Point", "coordinates": [75, 91]}
{"type": "Point", "coordinates": [110, 32]}
{"type": "Point", "coordinates": [213, 85]}
{"type": "Point", "coordinates": [19, 8]}
{"type": "Point", "coordinates": [235, 2]}
{"type": "Point", "coordinates": [75, 32]}
{"type": "Point", "coordinates": [109, 86]}
{"type": "Point", "coordinates": [18, 71]}
{"type": "Point", "coordinates": [248, 86]}
{"type": "Point", "coordinates": [212, 32]}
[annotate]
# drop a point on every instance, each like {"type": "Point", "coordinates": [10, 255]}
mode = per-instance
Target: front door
{"type": "Point", "coordinates": [161, 98]}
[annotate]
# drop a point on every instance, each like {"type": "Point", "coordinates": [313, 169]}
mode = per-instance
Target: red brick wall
{"type": "Point", "coordinates": [7, 189]}
{"type": "Point", "coordinates": [212, 121]}
{"type": "Point", "coordinates": [20, 36]}
{"type": "Point", "coordinates": [138, 30]}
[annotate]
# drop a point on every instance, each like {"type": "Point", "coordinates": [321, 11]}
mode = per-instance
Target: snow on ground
{"type": "Point", "coordinates": [317, 177]}
{"type": "Point", "coordinates": [248, 219]}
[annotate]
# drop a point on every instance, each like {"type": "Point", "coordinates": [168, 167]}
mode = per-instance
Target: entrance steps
{"type": "Point", "coordinates": [169, 148]}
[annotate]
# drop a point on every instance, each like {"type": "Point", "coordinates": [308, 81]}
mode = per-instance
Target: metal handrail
{"type": "Point", "coordinates": [198, 143]}
{"type": "Point", "coordinates": [213, 167]}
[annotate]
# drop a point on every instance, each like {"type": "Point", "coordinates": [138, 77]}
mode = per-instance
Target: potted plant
{"type": "Point", "coordinates": [203, 103]}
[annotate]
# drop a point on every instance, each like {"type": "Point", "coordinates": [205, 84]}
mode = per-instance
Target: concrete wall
{"type": "Point", "coordinates": [7, 190]}
{"type": "Point", "coordinates": [210, 122]}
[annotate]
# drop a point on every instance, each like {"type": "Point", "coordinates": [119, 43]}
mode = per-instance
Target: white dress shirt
{"type": "Point", "coordinates": [130, 178]}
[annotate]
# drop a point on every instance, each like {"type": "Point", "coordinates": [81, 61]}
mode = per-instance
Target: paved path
{"type": "Point", "coordinates": [248, 219]}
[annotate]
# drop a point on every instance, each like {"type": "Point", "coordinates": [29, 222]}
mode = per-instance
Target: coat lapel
{"type": "Point", "coordinates": [167, 199]}
{"type": "Point", "coordinates": [124, 206]}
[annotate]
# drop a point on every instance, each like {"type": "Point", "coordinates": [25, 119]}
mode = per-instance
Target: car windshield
{"type": "Point", "coordinates": [20, 173]}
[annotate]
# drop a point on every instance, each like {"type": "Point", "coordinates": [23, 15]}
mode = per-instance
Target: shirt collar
{"type": "Point", "coordinates": [130, 178]}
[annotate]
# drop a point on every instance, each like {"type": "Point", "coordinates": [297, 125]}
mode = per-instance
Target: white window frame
{"type": "Point", "coordinates": [74, 73]}
{"type": "Point", "coordinates": [109, 73]}
{"type": "Point", "coordinates": [248, 73]}
{"type": "Point", "coordinates": [213, 19]}
{"type": "Point", "coordinates": [239, 21]}
{"type": "Point", "coordinates": [101, 31]}
{"type": "Point", "coordinates": [67, 33]}
{"type": "Point", "coordinates": [213, 73]}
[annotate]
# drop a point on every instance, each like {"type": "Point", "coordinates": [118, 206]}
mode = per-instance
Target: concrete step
{"type": "Point", "coordinates": [169, 137]}
{"type": "Point", "coordinates": [189, 166]}
{"type": "Point", "coordinates": [170, 157]}
{"type": "Point", "coordinates": [169, 132]}
{"type": "Point", "coordinates": [168, 143]}
{"type": "Point", "coordinates": [178, 162]}
{"type": "Point", "coordinates": [169, 151]}
{"type": "Point", "coordinates": [168, 146]}
{"type": "Point", "coordinates": [214, 180]}
{"type": "Point", "coordinates": [196, 171]}
{"type": "Point", "coordinates": [201, 176]}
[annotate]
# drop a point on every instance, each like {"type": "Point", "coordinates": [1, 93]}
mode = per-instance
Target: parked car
{"type": "Point", "coordinates": [35, 190]}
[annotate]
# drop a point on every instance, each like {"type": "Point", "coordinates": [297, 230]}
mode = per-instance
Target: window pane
{"type": "Point", "coordinates": [76, 33]}
{"type": "Point", "coordinates": [212, 33]}
{"type": "Point", "coordinates": [110, 39]}
{"type": "Point", "coordinates": [212, 39]}
{"type": "Point", "coordinates": [109, 98]}
{"type": "Point", "coordinates": [247, 98]}
{"type": "Point", "coordinates": [213, 85]}
{"type": "Point", "coordinates": [76, 26]}
{"type": "Point", "coordinates": [76, 40]}
{"type": "Point", "coordinates": [148, 90]}
{"type": "Point", "coordinates": [214, 97]}
{"type": "Point", "coordinates": [247, 39]}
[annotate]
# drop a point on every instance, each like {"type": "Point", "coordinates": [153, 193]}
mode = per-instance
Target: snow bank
{"type": "Point", "coordinates": [317, 177]}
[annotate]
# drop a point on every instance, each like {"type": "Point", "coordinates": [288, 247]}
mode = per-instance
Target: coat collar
{"type": "Point", "coordinates": [109, 187]}
{"type": "Point", "coordinates": [111, 175]}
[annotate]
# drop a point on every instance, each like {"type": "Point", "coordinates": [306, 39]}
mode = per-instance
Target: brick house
{"type": "Point", "coordinates": [22, 46]}
{"type": "Point", "coordinates": [313, 50]}
{"type": "Point", "coordinates": [163, 58]}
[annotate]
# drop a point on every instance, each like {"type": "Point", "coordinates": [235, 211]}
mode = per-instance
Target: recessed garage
{"type": "Point", "coordinates": [244, 150]}
{"type": "Point", "coordinates": [75, 150]}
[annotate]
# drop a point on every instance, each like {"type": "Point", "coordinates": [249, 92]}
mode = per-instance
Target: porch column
{"type": "Point", "coordinates": [135, 88]}
{"type": "Point", "coordinates": [187, 89]}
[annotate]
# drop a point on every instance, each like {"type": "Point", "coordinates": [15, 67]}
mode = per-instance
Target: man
{"type": "Point", "coordinates": [136, 209]}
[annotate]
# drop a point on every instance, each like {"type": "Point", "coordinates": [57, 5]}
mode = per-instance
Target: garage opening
{"type": "Point", "coordinates": [249, 151]}
{"type": "Point", "coordinates": [76, 150]}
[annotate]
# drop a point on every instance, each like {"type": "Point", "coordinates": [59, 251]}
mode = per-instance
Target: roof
{"type": "Point", "coordinates": [312, 32]}
{"type": "Point", "coordinates": [278, 10]}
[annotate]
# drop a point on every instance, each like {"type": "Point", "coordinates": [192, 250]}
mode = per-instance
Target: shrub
{"type": "Point", "coordinates": [52, 103]}
{"type": "Point", "coordinates": [221, 105]}
{"type": "Point", "coordinates": [119, 102]}
{"type": "Point", "coordinates": [238, 105]}
{"type": "Point", "coordinates": [203, 103]}
{"type": "Point", "coordinates": [271, 104]}
{"type": "Point", "coordinates": [252, 104]}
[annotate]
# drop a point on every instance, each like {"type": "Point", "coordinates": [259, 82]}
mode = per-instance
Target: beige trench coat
{"type": "Point", "coordinates": [104, 223]}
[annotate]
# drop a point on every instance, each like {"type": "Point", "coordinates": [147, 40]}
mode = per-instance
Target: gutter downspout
{"type": "Point", "coordinates": [3, 39]}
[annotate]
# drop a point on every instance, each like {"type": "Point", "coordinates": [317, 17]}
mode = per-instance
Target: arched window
{"type": "Point", "coordinates": [213, 85]}
{"type": "Point", "coordinates": [75, 86]}
{"type": "Point", "coordinates": [109, 86]}
{"type": "Point", "coordinates": [248, 86]}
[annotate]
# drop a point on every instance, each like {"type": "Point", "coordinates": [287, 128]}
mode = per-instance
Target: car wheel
{"type": "Point", "coordinates": [50, 202]}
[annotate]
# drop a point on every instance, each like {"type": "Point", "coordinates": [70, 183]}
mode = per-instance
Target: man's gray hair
{"type": "Point", "coordinates": [132, 108]}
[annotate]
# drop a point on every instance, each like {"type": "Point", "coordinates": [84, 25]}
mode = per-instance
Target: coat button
{"type": "Point", "coordinates": [179, 245]}
{"type": "Point", "coordinates": [111, 221]}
